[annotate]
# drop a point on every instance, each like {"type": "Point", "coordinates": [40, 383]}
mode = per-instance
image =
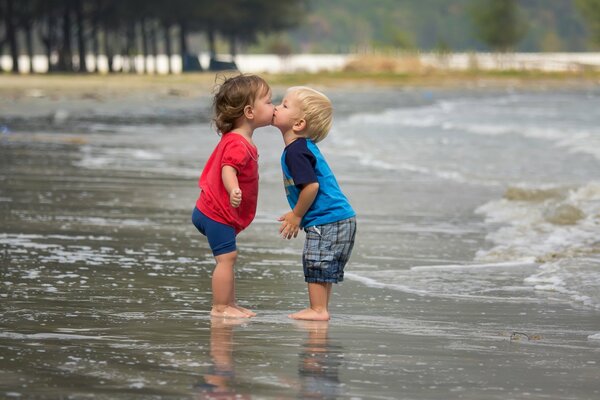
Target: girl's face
{"type": "Point", "coordinates": [287, 113]}
{"type": "Point", "coordinates": [263, 109]}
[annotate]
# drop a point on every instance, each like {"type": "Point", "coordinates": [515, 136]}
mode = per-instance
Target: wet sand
{"type": "Point", "coordinates": [105, 294]}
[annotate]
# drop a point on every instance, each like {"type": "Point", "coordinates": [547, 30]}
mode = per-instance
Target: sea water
{"type": "Point", "coordinates": [460, 182]}
{"type": "Point", "coordinates": [529, 166]}
{"type": "Point", "coordinates": [478, 215]}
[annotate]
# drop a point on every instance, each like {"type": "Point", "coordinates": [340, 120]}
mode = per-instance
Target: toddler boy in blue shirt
{"type": "Point", "coordinates": [318, 204]}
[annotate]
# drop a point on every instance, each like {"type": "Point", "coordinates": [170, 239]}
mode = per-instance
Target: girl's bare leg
{"type": "Point", "coordinates": [318, 296]}
{"type": "Point", "coordinates": [242, 309]}
{"type": "Point", "coordinates": [223, 288]}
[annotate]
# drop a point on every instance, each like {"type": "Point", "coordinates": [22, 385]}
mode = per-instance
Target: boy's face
{"type": "Point", "coordinates": [287, 113]}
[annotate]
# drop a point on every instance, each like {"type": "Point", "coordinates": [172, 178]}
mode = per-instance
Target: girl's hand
{"type": "Point", "coordinates": [290, 225]}
{"type": "Point", "coordinates": [235, 197]}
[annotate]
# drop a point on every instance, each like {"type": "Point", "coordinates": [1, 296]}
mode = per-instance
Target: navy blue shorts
{"type": "Point", "coordinates": [221, 237]}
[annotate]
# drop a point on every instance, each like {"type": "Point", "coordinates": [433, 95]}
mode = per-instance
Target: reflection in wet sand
{"type": "Point", "coordinates": [320, 362]}
{"type": "Point", "coordinates": [218, 383]}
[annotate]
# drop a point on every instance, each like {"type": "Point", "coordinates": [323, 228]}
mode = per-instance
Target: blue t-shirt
{"type": "Point", "coordinates": [303, 163]}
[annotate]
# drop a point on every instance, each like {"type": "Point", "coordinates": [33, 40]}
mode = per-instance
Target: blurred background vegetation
{"type": "Point", "coordinates": [448, 25]}
{"type": "Point", "coordinates": [69, 29]}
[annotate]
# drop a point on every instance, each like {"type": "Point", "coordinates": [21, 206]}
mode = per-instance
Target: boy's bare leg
{"type": "Point", "coordinates": [223, 288]}
{"type": "Point", "coordinates": [318, 295]}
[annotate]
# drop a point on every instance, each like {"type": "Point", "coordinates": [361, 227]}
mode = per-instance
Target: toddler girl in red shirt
{"type": "Point", "coordinates": [229, 181]}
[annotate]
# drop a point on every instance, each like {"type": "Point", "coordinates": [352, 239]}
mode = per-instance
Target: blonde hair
{"type": "Point", "coordinates": [317, 110]}
{"type": "Point", "coordinates": [233, 95]}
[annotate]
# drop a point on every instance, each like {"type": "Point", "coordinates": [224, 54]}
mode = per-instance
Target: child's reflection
{"type": "Point", "coordinates": [319, 362]}
{"type": "Point", "coordinates": [217, 383]}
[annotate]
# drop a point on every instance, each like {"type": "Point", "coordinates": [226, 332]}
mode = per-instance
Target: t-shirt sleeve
{"type": "Point", "coordinates": [300, 161]}
{"type": "Point", "coordinates": [236, 155]}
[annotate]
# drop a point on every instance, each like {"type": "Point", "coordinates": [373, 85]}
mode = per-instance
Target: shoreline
{"type": "Point", "coordinates": [188, 85]}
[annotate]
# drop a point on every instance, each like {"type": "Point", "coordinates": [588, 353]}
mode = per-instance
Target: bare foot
{"type": "Point", "coordinates": [245, 310]}
{"type": "Point", "coordinates": [227, 312]}
{"type": "Point", "coordinates": [310, 315]}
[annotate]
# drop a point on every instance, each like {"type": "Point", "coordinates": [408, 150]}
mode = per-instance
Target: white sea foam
{"type": "Point", "coordinates": [479, 283]}
{"type": "Point", "coordinates": [101, 221]}
{"type": "Point", "coordinates": [520, 263]}
{"type": "Point", "coordinates": [538, 229]}
{"type": "Point", "coordinates": [56, 336]}
{"type": "Point", "coordinates": [6, 238]}
{"type": "Point", "coordinates": [558, 228]}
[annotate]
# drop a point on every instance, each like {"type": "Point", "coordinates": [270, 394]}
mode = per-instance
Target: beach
{"type": "Point", "coordinates": [475, 274]}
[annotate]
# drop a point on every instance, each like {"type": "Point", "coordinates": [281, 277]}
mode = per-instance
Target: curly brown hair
{"type": "Point", "coordinates": [233, 95]}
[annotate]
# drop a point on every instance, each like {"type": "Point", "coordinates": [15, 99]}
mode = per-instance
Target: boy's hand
{"type": "Point", "coordinates": [290, 225]}
{"type": "Point", "coordinates": [235, 197]}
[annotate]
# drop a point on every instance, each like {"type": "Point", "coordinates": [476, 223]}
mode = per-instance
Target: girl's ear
{"type": "Point", "coordinates": [299, 125]}
{"type": "Point", "coordinates": [248, 112]}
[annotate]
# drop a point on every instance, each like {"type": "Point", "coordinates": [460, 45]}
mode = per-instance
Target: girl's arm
{"type": "Point", "coordinates": [290, 222]}
{"type": "Point", "coordinates": [230, 181]}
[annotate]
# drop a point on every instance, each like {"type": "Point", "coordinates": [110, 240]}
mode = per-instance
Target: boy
{"type": "Point", "coordinates": [318, 205]}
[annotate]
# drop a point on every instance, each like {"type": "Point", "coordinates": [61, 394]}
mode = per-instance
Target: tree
{"type": "Point", "coordinates": [11, 33]}
{"type": "Point", "coordinates": [499, 23]}
{"type": "Point", "coordinates": [590, 9]}
{"type": "Point", "coordinates": [113, 26]}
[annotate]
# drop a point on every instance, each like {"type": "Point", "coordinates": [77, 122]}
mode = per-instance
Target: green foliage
{"type": "Point", "coordinates": [498, 23]}
{"type": "Point", "coordinates": [350, 25]}
{"type": "Point", "coordinates": [590, 9]}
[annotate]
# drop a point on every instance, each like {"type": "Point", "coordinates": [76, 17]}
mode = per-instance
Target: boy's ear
{"type": "Point", "coordinates": [299, 125]}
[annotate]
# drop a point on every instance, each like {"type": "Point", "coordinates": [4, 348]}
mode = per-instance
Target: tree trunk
{"type": "Point", "coordinates": [144, 44]}
{"type": "Point", "coordinates": [107, 49]}
{"type": "Point", "coordinates": [212, 49]}
{"type": "Point", "coordinates": [167, 32]}
{"type": "Point", "coordinates": [11, 36]}
{"type": "Point", "coordinates": [95, 43]}
{"type": "Point", "coordinates": [183, 46]}
{"type": "Point", "coordinates": [65, 62]}
{"type": "Point", "coordinates": [29, 44]}
{"type": "Point", "coordinates": [232, 47]}
{"type": "Point", "coordinates": [49, 39]}
{"type": "Point", "coordinates": [154, 45]}
{"type": "Point", "coordinates": [80, 36]}
{"type": "Point", "coordinates": [130, 46]}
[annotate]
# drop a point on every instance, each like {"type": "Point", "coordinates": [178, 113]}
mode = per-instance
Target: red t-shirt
{"type": "Point", "coordinates": [236, 151]}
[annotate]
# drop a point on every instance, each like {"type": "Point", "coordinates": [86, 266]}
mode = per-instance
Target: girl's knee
{"type": "Point", "coordinates": [227, 258]}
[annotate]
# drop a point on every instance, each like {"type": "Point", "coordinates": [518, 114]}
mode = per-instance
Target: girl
{"type": "Point", "coordinates": [229, 182]}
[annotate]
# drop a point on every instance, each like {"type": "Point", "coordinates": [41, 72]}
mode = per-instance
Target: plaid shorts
{"type": "Point", "coordinates": [327, 249]}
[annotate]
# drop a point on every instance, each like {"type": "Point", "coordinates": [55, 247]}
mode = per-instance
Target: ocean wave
{"type": "Point", "coordinates": [595, 336]}
{"type": "Point", "coordinates": [465, 282]}
{"type": "Point", "coordinates": [543, 223]}
{"type": "Point", "coordinates": [528, 117]}
{"type": "Point", "coordinates": [560, 228]}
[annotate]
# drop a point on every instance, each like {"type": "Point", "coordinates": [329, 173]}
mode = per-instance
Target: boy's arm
{"type": "Point", "coordinates": [230, 181]}
{"type": "Point", "coordinates": [290, 222]}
